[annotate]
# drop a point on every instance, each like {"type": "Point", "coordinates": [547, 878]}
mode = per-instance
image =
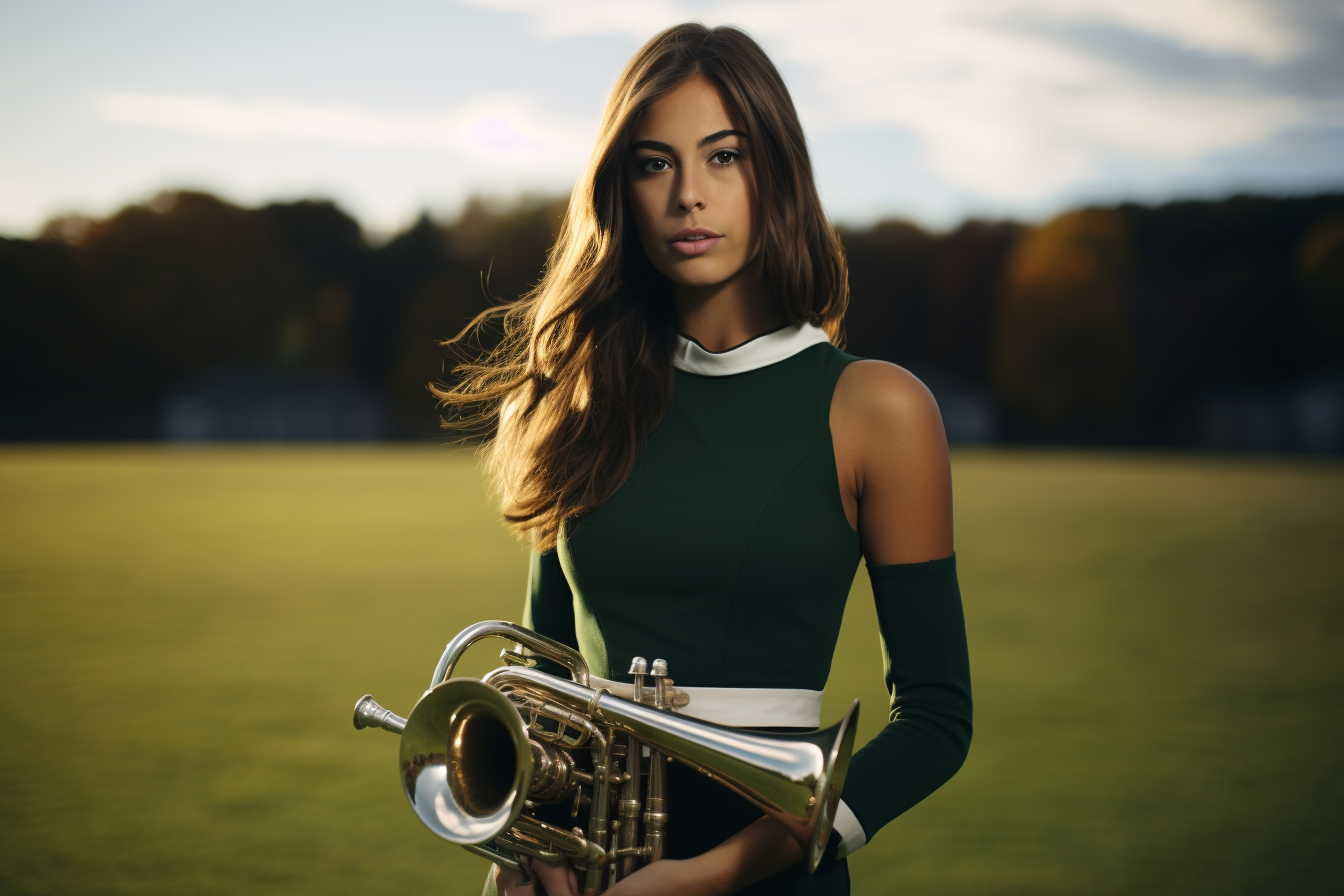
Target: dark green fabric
{"type": "Point", "coordinates": [929, 678]}
{"type": "Point", "coordinates": [727, 551]}
{"type": "Point", "coordinates": [549, 609]}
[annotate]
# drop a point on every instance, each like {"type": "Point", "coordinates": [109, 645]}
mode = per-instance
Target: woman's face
{"type": "Point", "coordinates": [691, 187]}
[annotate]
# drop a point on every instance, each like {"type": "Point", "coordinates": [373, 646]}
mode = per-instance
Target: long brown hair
{"type": "Point", "coordinates": [583, 370]}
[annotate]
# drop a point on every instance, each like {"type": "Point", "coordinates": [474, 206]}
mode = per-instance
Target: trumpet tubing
{"type": "Point", "coordinates": [477, 754]}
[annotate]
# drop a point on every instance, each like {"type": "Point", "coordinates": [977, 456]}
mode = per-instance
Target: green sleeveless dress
{"type": "Point", "coordinates": [727, 552]}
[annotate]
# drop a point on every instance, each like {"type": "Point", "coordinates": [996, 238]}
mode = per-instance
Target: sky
{"type": "Point", "coordinates": [929, 110]}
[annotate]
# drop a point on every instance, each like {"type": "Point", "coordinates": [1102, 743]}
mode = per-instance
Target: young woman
{"type": "Point", "coordinates": [700, 467]}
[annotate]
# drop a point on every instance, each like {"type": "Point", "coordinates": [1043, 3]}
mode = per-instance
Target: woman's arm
{"type": "Point", "coordinates": [891, 454]}
{"type": "Point", "coordinates": [754, 853]}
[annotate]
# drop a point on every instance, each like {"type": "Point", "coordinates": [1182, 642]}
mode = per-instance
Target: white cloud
{"type": "Point", "coordinates": [930, 108]}
{"type": "Point", "coordinates": [1254, 29]}
{"type": "Point", "coordinates": [1003, 103]}
{"type": "Point", "coordinates": [489, 131]}
{"type": "Point", "coordinates": [635, 18]}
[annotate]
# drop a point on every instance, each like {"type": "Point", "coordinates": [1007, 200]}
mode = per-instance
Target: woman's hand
{"type": "Point", "coordinates": [754, 853]}
{"type": "Point", "coordinates": [548, 879]}
{"type": "Point", "coordinates": [673, 877]}
{"type": "Point", "coordinates": [666, 877]}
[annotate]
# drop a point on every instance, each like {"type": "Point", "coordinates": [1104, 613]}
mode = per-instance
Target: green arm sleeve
{"type": "Point", "coordinates": [549, 609]}
{"type": "Point", "coordinates": [929, 679]}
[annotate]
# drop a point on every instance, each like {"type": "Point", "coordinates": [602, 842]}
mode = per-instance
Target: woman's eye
{"type": "Point", "coordinates": [654, 163]}
{"type": "Point", "coordinates": [725, 157]}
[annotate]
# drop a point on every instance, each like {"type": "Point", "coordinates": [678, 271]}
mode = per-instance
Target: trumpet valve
{"type": "Point", "coordinates": [639, 667]}
{"type": "Point", "coordinates": [552, 773]}
{"type": "Point", "coordinates": [662, 685]}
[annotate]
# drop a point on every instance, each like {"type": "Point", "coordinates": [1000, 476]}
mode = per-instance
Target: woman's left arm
{"type": "Point", "coordinates": [895, 476]}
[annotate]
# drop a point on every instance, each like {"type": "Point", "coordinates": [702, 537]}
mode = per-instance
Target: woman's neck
{"type": "Point", "coordinates": [726, 314]}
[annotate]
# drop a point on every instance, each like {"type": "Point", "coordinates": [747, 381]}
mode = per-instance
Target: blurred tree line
{"type": "Point", "coordinates": [1105, 324]}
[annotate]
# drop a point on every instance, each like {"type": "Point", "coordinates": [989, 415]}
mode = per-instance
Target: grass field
{"type": "Point", "coordinates": [1155, 641]}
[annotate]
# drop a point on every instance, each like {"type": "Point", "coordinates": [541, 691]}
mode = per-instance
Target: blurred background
{"type": "Point", "coordinates": [1109, 236]}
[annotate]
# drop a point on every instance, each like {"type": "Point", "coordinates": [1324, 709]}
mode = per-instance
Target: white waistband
{"type": "Point", "coordinates": [741, 707]}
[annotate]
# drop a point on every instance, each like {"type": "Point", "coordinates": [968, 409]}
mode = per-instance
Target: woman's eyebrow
{"type": "Point", "coordinates": [652, 144]}
{"type": "Point", "coordinates": [715, 137]}
{"type": "Point", "coordinates": [719, 135]}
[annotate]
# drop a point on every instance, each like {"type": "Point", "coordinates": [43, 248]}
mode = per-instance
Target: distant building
{"type": "Point", "coordinates": [253, 403]}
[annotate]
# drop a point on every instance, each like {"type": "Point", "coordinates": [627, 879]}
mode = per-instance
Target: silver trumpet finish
{"type": "Point", "coordinates": [537, 643]}
{"type": "Point", "coordinates": [476, 755]}
{"type": "Point", "coordinates": [466, 765]}
{"type": "Point", "coordinates": [368, 714]}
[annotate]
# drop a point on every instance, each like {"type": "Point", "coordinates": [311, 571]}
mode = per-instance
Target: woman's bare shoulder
{"type": "Point", "coordinates": [884, 401]}
{"type": "Point", "coordinates": [891, 455]}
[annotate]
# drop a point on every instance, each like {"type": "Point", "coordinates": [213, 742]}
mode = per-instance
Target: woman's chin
{"type": "Point", "coordinates": [701, 273]}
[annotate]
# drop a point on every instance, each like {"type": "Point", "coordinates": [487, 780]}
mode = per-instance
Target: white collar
{"type": "Point", "coordinates": [760, 351]}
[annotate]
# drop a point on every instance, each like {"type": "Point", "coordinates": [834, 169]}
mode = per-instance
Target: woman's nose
{"type": "Point", "coordinates": [689, 195]}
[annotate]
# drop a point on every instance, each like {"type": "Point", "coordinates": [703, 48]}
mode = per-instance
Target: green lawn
{"type": "Point", "coordinates": [1156, 645]}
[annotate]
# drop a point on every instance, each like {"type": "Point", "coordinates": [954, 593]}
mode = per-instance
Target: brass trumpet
{"type": "Point", "coordinates": [476, 755]}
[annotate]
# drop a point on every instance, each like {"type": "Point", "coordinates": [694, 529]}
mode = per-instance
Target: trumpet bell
{"type": "Point", "coordinates": [832, 783]}
{"type": "Point", "coordinates": [466, 765]}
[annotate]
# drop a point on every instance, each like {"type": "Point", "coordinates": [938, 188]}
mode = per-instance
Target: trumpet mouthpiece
{"type": "Point", "coordinates": [368, 714]}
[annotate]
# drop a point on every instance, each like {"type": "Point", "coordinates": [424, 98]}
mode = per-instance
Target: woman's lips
{"type": "Point", "coordinates": [694, 241]}
{"type": "Point", "coordinates": [696, 246]}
